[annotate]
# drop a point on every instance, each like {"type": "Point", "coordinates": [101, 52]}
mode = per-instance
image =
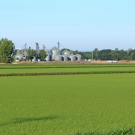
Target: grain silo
{"type": "Point", "coordinates": [58, 57]}
{"type": "Point", "coordinates": [57, 54]}
{"type": "Point", "coordinates": [78, 57]}
{"type": "Point", "coordinates": [64, 57]}
{"type": "Point", "coordinates": [72, 57]}
{"type": "Point", "coordinates": [55, 51]}
{"type": "Point", "coordinates": [66, 52]}
{"type": "Point", "coordinates": [48, 58]}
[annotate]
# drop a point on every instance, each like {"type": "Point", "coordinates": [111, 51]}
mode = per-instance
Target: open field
{"type": "Point", "coordinates": [66, 104]}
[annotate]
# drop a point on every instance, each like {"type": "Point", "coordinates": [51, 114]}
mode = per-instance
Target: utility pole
{"type": "Point", "coordinates": [131, 55]}
{"type": "Point", "coordinates": [26, 52]}
{"type": "Point", "coordinates": [92, 56]}
{"type": "Point", "coordinates": [37, 49]}
{"type": "Point", "coordinates": [44, 47]}
{"type": "Point", "coordinates": [59, 45]}
{"type": "Point", "coordinates": [25, 47]}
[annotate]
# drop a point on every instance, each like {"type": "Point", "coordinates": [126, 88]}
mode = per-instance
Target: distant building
{"type": "Point", "coordinates": [57, 55]}
{"type": "Point", "coordinates": [54, 54]}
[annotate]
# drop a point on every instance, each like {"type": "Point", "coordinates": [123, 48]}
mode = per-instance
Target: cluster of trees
{"type": "Point", "coordinates": [7, 51]}
{"type": "Point", "coordinates": [32, 53]}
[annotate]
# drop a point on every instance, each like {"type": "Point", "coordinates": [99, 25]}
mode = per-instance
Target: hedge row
{"type": "Point", "coordinates": [66, 73]}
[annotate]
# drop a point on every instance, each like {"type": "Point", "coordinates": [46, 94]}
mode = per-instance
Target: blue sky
{"type": "Point", "coordinates": [77, 24]}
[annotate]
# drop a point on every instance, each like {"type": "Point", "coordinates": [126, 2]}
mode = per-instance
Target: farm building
{"type": "Point", "coordinates": [54, 54]}
{"type": "Point", "coordinates": [57, 55]}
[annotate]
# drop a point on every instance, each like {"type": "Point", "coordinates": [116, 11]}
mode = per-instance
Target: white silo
{"type": "Point", "coordinates": [58, 57]}
{"type": "Point", "coordinates": [64, 57]}
{"type": "Point", "coordinates": [66, 52]}
{"type": "Point", "coordinates": [48, 58]}
{"type": "Point", "coordinates": [78, 57]}
{"type": "Point", "coordinates": [72, 57]}
{"type": "Point", "coordinates": [55, 51]}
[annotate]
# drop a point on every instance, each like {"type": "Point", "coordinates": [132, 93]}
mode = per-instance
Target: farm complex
{"type": "Point", "coordinates": [54, 54]}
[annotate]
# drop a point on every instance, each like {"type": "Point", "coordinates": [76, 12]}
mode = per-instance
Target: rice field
{"type": "Point", "coordinates": [8, 66]}
{"type": "Point", "coordinates": [58, 70]}
{"type": "Point", "coordinates": [64, 105]}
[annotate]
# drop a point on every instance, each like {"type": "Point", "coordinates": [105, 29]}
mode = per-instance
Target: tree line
{"type": "Point", "coordinates": [108, 54]}
{"type": "Point", "coordinates": [7, 53]}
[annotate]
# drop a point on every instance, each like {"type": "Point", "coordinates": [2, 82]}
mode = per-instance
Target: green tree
{"type": "Point", "coordinates": [42, 54]}
{"type": "Point", "coordinates": [17, 58]}
{"type": "Point", "coordinates": [104, 54]}
{"type": "Point", "coordinates": [123, 55]}
{"type": "Point", "coordinates": [116, 49]}
{"type": "Point", "coordinates": [75, 52]}
{"type": "Point", "coordinates": [65, 49]}
{"type": "Point", "coordinates": [90, 56]}
{"type": "Point", "coordinates": [7, 50]}
{"type": "Point", "coordinates": [95, 53]}
{"type": "Point", "coordinates": [113, 55]}
{"type": "Point", "coordinates": [32, 54]}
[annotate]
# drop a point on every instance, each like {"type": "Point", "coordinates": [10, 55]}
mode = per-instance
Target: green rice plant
{"type": "Point", "coordinates": [65, 73]}
{"type": "Point", "coordinates": [70, 70]}
{"type": "Point", "coordinates": [124, 131]}
{"type": "Point", "coordinates": [33, 66]}
{"type": "Point", "coordinates": [66, 105]}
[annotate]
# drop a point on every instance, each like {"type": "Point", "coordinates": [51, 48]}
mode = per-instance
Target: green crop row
{"type": "Point", "coordinates": [66, 73]}
{"type": "Point", "coordinates": [63, 66]}
{"type": "Point", "coordinates": [63, 70]}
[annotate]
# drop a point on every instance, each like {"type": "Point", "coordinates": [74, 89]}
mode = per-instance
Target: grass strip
{"type": "Point", "coordinates": [66, 73]}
